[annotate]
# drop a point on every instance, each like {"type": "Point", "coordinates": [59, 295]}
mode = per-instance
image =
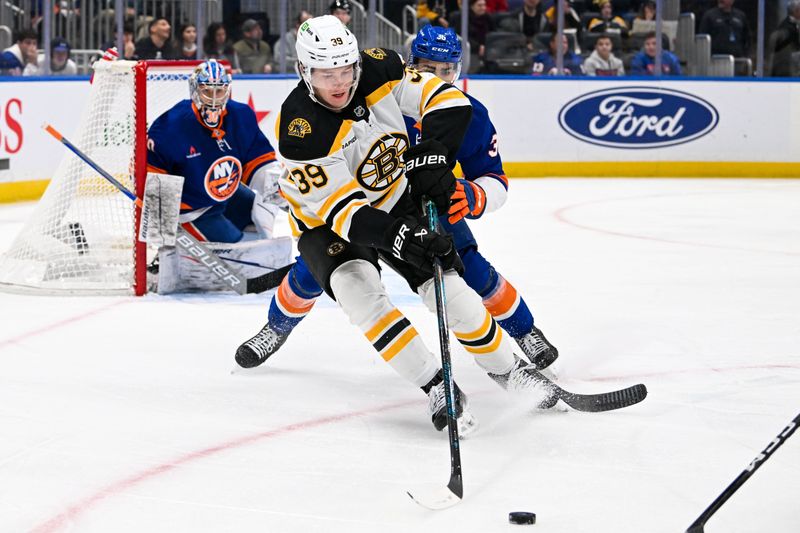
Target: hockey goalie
{"type": "Point", "coordinates": [211, 170]}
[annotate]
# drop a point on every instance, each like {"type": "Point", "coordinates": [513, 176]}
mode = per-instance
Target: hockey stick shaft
{"type": "Point", "coordinates": [456, 481]}
{"type": "Point", "coordinates": [189, 244]}
{"type": "Point", "coordinates": [698, 525]}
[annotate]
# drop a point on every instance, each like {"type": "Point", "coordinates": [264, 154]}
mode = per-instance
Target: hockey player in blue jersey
{"type": "Point", "coordinates": [483, 190]}
{"type": "Point", "coordinates": [216, 145]}
{"type": "Point", "coordinates": [230, 175]}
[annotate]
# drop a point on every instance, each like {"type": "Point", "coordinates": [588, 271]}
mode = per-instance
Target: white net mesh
{"type": "Point", "coordinates": [80, 238]}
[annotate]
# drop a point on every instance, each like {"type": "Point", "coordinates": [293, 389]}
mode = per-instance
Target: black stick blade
{"type": "Point", "coordinates": [607, 401]}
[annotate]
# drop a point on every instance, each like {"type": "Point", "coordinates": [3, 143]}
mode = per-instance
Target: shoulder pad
{"type": "Point", "coordinates": [378, 66]}
{"type": "Point", "coordinates": [306, 130]}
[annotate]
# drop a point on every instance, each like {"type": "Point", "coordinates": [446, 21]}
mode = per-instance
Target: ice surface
{"type": "Point", "coordinates": [127, 415]}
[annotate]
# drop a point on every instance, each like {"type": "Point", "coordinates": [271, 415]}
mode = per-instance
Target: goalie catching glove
{"type": "Point", "coordinates": [429, 174]}
{"type": "Point", "coordinates": [412, 243]}
{"type": "Point", "coordinates": [469, 201]}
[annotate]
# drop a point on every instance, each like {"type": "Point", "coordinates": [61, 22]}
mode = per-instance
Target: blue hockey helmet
{"type": "Point", "coordinates": [210, 90]}
{"type": "Point", "coordinates": [438, 44]}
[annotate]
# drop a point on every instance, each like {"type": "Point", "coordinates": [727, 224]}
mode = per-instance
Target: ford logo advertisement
{"type": "Point", "coordinates": [638, 117]}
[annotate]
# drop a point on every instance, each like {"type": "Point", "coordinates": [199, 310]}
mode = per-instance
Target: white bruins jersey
{"type": "Point", "coordinates": [338, 162]}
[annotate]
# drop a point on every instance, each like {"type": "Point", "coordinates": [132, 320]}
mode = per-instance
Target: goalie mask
{"type": "Point", "coordinates": [328, 61]}
{"type": "Point", "coordinates": [438, 51]}
{"type": "Point", "coordinates": [210, 89]}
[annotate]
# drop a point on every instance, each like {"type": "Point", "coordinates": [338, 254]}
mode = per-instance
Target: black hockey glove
{"type": "Point", "coordinates": [429, 175]}
{"type": "Point", "coordinates": [412, 243]}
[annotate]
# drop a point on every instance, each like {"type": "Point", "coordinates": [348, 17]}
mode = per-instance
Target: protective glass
{"type": "Point", "coordinates": [448, 72]}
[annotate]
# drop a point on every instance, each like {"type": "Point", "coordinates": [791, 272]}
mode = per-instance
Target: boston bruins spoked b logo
{"type": "Point", "coordinates": [382, 165]}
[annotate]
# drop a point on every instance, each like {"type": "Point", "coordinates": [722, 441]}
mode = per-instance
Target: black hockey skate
{"type": "Point", "coordinates": [437, 405]}
{"type": "Point", "coordinates": [537, 348]}
{"type": "Point", "coordinates": [258, 349]}
{"type": "Point", "coordinates": [526, 380]}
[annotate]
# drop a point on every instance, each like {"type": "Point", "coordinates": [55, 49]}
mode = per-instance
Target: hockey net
{"type": "Point", "coordinates": [81, 237]}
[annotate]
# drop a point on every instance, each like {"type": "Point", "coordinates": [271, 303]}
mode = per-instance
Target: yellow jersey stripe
{"type": "Point", "coordinates": [389, 194]}
{"type": "Point", "coordinates": [478, 333]}
{"type": "Point", "coordinates": [297, 211]}
{"type": "Point", "coordinates": [382, 324]}
{"type": "Point", "coordinates": [490, 347]}
{"type": "Point", "coordinates": [378, 94]}
{"type": "Point", "coordinates": [401, 342]}
{"type": "Point", "coordinates": [335, 197]}
{"type": "Point", "coordinates": [343, 217]}
{"type": "Point", "coordinates": [344, 129]}
{"type": "Point", "coordinates": [450, 94]}
{"type": "Point", "coordinates": [430, 86]}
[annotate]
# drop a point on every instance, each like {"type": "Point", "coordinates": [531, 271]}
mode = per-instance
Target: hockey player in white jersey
{"type": "Point", "coordinates": [354, 191]}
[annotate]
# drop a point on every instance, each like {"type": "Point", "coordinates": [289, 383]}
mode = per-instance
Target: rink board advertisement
{"type": "Point", "coordinates": [546, 127]}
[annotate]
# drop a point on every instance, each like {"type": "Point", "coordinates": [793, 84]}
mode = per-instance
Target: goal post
{"type": "Point", "coordinates": [82, 235]}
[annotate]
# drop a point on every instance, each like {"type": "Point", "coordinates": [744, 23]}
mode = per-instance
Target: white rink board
{"type": "Point", "coordinates": [758, 121]}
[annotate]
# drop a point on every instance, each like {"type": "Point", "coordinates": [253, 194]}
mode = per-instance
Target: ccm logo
{"type": "Point", "coordinates": [431, 159]}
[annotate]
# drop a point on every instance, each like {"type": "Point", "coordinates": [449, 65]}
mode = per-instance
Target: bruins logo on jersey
{"type": "Point", "coordinates": [299, 127]}
{"type": "Point", "coordinates": [375, 53]}
{"type": "Point", "coordinates": [382, 165]}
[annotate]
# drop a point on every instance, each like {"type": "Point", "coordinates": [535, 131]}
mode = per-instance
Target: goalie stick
{"type": "Point", "coordinates": [698, 525]}
{"type": "Point", "coordinates": [441, 498]}
{"type": "Point", "coordinates": [229, 275]}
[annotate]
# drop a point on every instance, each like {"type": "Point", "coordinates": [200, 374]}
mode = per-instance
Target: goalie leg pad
{"type": "Point", "coordinates": [180, 273]}
{"type": "Point", "coordinates": [160, 209]}
{"type": "Point", "coordinates": [361, 294]}
{"type": "Point", "coordinates": [263, 215]}
{"type": "Point", "coordinates": [473, 326]}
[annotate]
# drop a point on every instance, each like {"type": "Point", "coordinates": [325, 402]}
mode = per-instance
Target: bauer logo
{"type": "Point", "coordinates": [638, 117]}
{"type": "Point", "coordinates": [222, 178]}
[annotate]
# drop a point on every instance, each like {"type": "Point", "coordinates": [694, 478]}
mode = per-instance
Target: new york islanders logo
{"type": "Point", "coordinates": [222, 178]}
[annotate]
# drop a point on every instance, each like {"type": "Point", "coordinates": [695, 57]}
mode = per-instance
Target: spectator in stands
{"type": "Point", "coordinates": [341, 10]}
{"type": "Point", "coordinates": [187, 41]}
{"type": "Point", "coordinates": [785, 41]}
{"type": "Point", "coordinates": [157, 45]}
{"type": "Point", "coordinates": [60, 63]}
{"type": "Point", "coordinates": [647, 11]}
{"type": "Point", "coordinates": [16, 57]}
{"type": "Point", "coordinates": [432, 12]}
{"type": "Point", "coordinates": [217, 46]}
{"type": "Point", "coordinates": [603, 62]}
{"type": "Point", "coordinates": [480, 24]}
{"type": "Point", "coordinates": [728, 29]}
{"type": "Point", "coordinates": [286, 44]}
{"type": "Point", "coordinates": [643, 63]}
{"type": "Point", "coordinates": [544, 63]}
{"type": "Point", "coordinates": [571, 18]}
{"type": "Point", "coordinates": [128, 43]}
{"type": "Point", "coordinates": [255, 55]}
{"type": "Point", "coordinates": [497, 6]}
{"type": "Point", "coordinates": [531, 19]}
{"type": "Point", "coordinates": [607, 21]}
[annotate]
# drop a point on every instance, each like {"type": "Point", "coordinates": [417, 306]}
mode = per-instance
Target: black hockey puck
{"type": "Point", "coordinates": [521, 518]}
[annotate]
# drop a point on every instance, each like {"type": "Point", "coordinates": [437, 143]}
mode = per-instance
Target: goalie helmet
{"type": "Point", "coordinates": [210, 90]}
{"type": "Point", "coordinates": [328, 61]}
{"type": "Point", "coordinates": [440, 45]}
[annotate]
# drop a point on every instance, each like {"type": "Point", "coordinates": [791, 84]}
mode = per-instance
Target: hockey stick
{"type": "Point", "coordinates": [597, 403]}
{"type": "Point", "coordinates": [186, 242]}
{"type": "Point", "coordinates": [441, 498]}
{"type": "Point", "coordinates": [698, 525]}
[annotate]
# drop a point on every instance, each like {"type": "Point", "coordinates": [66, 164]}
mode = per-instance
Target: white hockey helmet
{"type": "Point", "coordinates": [328, 61]}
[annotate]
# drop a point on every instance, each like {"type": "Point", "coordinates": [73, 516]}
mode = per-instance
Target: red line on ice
{"type": "Point", "coordinates": [71, 513]}
{"type": "Point", "coordinates": [60, 323]}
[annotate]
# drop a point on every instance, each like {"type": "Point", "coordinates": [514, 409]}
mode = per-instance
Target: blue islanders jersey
{"type": "Point", "coordinates": [478, 155]}
{"type": "Point", "coordinates": [213, 162]}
